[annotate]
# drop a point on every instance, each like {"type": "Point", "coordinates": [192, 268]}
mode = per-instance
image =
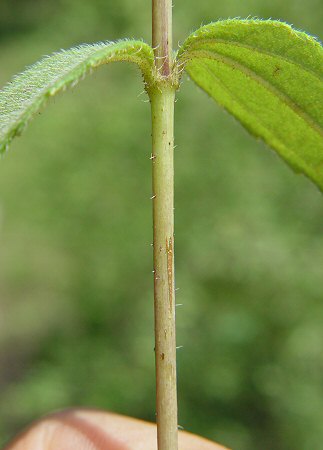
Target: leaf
{"type": "Point", "coordinates": [270, 77]}
{"type": "Point", "coordinates": [28, 92]}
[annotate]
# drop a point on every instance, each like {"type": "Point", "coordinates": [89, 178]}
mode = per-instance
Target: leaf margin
{"type": "Point", "coordinates": [16, 112]}
{"type": "Point", "coordinates": [188, 51]}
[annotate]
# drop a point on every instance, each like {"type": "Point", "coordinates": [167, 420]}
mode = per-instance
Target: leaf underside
{"type": "Point", "coordinates": [28, 92]}
{"type": "Point", "coordinates": [270, 77]}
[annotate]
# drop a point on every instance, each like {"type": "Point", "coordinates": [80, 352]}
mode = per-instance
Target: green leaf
{"type": "Point", "coordinates": [28, 92]}
{"type": "Point", "coordinates": [270, 77]}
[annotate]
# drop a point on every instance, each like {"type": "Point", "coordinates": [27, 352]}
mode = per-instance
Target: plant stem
{"type": "Point", "coordinates": [162, 35]}
{"type": "Point", "coordinates": [162, 97]}
{"type": "Point", "coordinates": [162, 107]}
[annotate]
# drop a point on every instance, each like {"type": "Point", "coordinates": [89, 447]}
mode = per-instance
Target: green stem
{"type": "Point", "coordinates": [162, 35]}
{"type": "Point", "coordinates": [162, 107]}
{"type": "Point", "coordinates": [162, 98]}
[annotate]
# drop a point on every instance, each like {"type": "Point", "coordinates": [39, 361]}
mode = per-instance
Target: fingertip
{"type": "Point", "coordinates": [68, 430]}
{"type": "Point", "coordinates": [85, 429]}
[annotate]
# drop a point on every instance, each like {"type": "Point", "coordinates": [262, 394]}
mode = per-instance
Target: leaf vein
{"type": "Point", "coordinates": [285, 98]}
{"type": "Point", "coordinates": [250, 47]}
{"type": "Point", "coordinates": [256, 119]}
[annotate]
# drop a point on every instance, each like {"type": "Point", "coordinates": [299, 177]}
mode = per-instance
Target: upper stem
{"type": "Point", "coordinates": [162, 35]}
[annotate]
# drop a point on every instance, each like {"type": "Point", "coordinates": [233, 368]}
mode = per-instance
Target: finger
{"type": "Point", "coordinates": [98, 430]}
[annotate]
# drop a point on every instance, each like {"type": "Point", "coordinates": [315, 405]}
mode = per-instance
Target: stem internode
{"type": "Point", "coordinates": [162, 35]}
{"type": "Point", "coordinates": [162, 107]}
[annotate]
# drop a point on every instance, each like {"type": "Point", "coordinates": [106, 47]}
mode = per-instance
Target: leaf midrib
{"type": "Point", "coordinates": [285, 98]}
{"type": "Point", "coordinates": [245, 108]}
{"type": "Point", "coordinates": [311, 170]}
{"type": "Point", "coordinates": [192, 45]}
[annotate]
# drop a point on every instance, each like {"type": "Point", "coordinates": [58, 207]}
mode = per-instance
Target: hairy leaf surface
{"type": "Point", "coordinates": [270, 77]}
{"type": "Point", "coordinates": [28, 91]}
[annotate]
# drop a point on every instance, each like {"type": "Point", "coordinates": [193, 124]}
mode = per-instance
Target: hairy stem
{"type": "Point", "coordinates": [162, 97]}
{"type": "Point", "coordinates": [162, 35]}
{"type": "Point", "coordinates": [162, 107]}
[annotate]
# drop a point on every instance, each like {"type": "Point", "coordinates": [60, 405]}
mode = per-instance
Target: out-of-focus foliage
{"type": "Point", "coordinates": [76, 324]}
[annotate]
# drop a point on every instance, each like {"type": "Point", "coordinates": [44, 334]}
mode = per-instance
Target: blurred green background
{"type": "Point", "coordinates": [76, 304]}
